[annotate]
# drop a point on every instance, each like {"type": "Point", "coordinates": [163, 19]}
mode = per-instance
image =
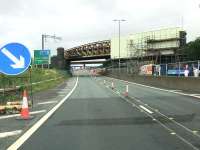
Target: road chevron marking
{"type": "Point", "coordinates": [37, 125]}
{"type": "Point", "coordinates": [16, 115]}
{"type": "Point", "coordinates": [48, 102]}
{"type": "Point", "coordinates": [11, 133]}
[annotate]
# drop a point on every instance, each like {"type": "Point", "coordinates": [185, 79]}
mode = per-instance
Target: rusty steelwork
{"type": "Point", "coordinates": [100, 49]}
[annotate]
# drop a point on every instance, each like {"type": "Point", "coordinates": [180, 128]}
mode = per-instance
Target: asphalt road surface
{"type": "Point", "coordinates": [95, 117]}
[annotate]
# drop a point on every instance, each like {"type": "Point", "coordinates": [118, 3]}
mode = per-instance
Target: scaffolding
{"type": "Point", "coordinates": [153, 47]}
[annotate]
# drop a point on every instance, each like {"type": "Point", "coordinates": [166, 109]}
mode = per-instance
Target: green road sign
{"type": "Point", "coordinates": [41, 57]}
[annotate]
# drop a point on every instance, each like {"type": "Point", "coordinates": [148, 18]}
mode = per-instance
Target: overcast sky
{"type": "Point", "coordinates": [82, 21]}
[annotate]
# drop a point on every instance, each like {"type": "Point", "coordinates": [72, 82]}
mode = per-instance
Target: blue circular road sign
{"type": "Point", "coordinates": [15, 58]}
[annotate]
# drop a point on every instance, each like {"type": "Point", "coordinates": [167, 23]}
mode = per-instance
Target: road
{"type": "Point", "coordinates": [95, 117]}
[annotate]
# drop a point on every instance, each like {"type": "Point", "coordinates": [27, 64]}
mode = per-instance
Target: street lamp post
{"type": "Point", "coordinates": [44, 37]}
{"type": "Point", "coordinates": [119, 24]}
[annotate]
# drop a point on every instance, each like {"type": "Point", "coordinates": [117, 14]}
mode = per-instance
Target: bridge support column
{"type": "Point", "coordinates": [59, 62]}
{"type": "Point", "coordinates": [67, 65]}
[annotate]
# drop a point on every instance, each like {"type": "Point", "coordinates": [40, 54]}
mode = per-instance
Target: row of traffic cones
{"type": "Point", "coordinates": [126, 91]}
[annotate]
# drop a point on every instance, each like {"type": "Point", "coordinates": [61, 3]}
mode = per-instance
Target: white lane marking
{"type": "Point", "coordinates": [48, 102]}
{"type": "Point", "coordinates": [195, 132]}
{"type": "Point", "coordinates": [147, 110]}
{"type": "Point", "coordinates": [170, 91]}
{"type": "Point", "coordinates": [175, 90]}
{"type": "Point", "coordinates": [194, 94]}
{"type": "Point", "coordinates": [16, 115]}
{"type": "Point", "coordinates": [164, 126]}
{"type": "Point", "coordinates": [172, 119]}
{"type": "Point", "coordinates": [172, 133]}
{"type": "Point", "coordinates": [36, 126]}
{"type": "Point", "coordinates": [11, 133]}
{"type": "Point", "coordinates": [37, 112]}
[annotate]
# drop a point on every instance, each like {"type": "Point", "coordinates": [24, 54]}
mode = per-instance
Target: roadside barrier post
{"type": "Point", "coordinates": [126, 92]}
{"type": "Point", "coordinates": [112, 85]}
{"type": "Point", "coordinates": [179, 69]}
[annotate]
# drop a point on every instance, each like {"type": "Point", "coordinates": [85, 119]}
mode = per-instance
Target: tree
{"type": "Point", "coordinates": [192, 49]}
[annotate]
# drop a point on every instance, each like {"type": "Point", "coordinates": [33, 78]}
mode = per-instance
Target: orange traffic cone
{"type": "Point", "coordinates": [25, 110]}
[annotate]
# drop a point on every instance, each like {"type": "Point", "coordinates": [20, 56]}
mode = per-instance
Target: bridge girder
{"type": "Point", "coordinates": [95, 49]}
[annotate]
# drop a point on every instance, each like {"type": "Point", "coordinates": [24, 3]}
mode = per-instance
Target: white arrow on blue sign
{"type": "Point", "coordinates": [15, 58]}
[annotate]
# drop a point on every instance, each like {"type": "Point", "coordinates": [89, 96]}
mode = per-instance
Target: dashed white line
{"type": "Point", "coordinates": [195, 132]}
{"type": "Point", "coordinates": [11, 133]}
{"type": "Point", "coordinates": [147, 110]}
{"type": "Point", "coordinates": [172, 119]}
{"type": "Point", "coordinates": [172, 133]}
{"type": "Point", "coordinates": [164, 126]}
{"type": "Point", "coordinates": [16, 115]}
{"type": "Point", "coordinates": [48, 102]}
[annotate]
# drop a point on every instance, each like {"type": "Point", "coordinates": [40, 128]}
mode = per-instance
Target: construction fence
{"type": "Point", "coordinates": [179, 69]}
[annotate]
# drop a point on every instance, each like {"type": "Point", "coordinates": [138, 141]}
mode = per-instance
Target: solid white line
{"type": "Point", "coordinates": [16, 115]}
{"type": "Point", "coordinates": [36, 126]}
{"type": "Point", "coordinates": [175, 90]}
{"type": "Point", "coordinates": [11, 133]}
{"type": "Point", "coordinates": [147, 110]}
{"type": "Point", "coordinates": [195, 94]}
{"type": "Point", "coordinates": [48, 102]}
{"type": "Point", "coordinates": [152, 87]}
